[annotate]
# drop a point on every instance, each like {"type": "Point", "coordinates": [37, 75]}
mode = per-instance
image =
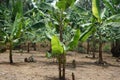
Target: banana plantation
{"type": "Point", "coordinates": [59, 39]}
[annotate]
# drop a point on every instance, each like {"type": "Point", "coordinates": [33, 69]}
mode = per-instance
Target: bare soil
{"type": "Point", "coordinates": [47, 69]}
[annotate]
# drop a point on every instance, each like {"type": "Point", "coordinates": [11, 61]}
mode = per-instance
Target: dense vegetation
{"type": "Point", "coordinates": [65, 24]}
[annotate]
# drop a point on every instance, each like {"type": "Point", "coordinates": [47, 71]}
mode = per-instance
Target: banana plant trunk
{"type": "Point", "coordinates": [88, 47]}
{"type": "Point", "coordinates": [60, 71]}
{"type": "Point", "coordinates": [64, 63]}
{"type": "Point", "coordinates": [100, 53]}
{"type": "Point", "coordinates": [115, 48]}
{"type": "Point", "coordinates": [10, 53]}
{"type": "Point", "coordinates": [93, 54]}
{"type": "Point", "coordinates": [63, 56]}
{"type": "Point", "coordinates": [93, 46]}
{"type": "Point", "coordinates": [34, 46]}
{"type": "Point", "coordinates": [28, 47]}
{"type": "Point", "coordinates": [100, 60]}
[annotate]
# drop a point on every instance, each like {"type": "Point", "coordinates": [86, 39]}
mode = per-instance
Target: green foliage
{"type": "Point", "coordinates": [85, 35]}
{"type": "Point", "coordinates": [116, 2]}
{"type": "Point", "coordinates": [96, 9]}
{"type": "Point", "coordinates": [109, 5]}
{"type": "Point", "coordinates": [17, 8]}
{"type": "Point", "coordinates": [114, 18]}
{"type": "Point", "coordinates": [73, 43]}
{"type": "Point", "coordinates": [57, 47]}
{"type": "Point", "coordinates": [17, 27]}
{"type": "Point", "coordinates": [38, 25]}
{"type": "Point", "coordinates": [64, 4]}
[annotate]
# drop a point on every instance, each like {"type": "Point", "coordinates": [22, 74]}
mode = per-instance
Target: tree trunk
{"type": "Point", "coordinates": [50, 50]}
{"type": "Point", "coordinates": [115, 48]}
{"type": "Point", "coordinates": [88, 47]}
{"type": "Point", "coordinates": [28, 48]}
{"type": "Point", "coordinates": [10, 53]}
{"type": "Point", "coordinates": [100, 52]}
{"type": "Point", "coordinates": [60, 71]}
{"type": "Point", "coordinates": [93, 49]}
{"type": "Point", "coordinates": [64, 63]}
{"type": "Point", "coordinates": [100, 61]}
{"type": "Point", "coordinates": [63, 56]}
{"type": "Point", "coordinates": [73, 76]}
{"type": "Point", "coordinates": [93, 45]}
{"type": "Point", "coordinates": [34, 46]}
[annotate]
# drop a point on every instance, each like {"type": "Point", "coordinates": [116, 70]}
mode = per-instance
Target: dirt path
{"type": "Point", "coordinates": [46, 69]}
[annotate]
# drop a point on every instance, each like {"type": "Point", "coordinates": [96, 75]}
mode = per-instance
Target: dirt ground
{"type": "Point", "coordinates": [47, 69]}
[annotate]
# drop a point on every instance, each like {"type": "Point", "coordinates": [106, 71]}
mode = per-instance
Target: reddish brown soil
{"type": "Point", "coordinates": [47, 69]}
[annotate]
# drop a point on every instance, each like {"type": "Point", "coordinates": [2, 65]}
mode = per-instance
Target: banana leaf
{"type": "Point", "coordinates": [17, 27]}
{"type": "Point", "coordinates": [109, 5]}
{"type": "Point", "coordinates": [73, 43]}
{"type": "Point", "coordinates": [17, 8]}
{"type": "Point", "coordinates": [84, 36]}
{"type": "Point", "coordinates": [96, 9]}
{"type": "Point", "coordinates": [64, 4]}
{"type": "Point", "coordinates": [57, 47]}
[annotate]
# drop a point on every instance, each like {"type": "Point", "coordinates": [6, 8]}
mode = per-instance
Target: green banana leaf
{"type": "Point", "coordinates": [57, 47]}
{"type": "Point", "coordinates": [17, 8]}
{"type": "Point", "coordinates": [38, 25]}
{"type": "Point", "coordinates": [73, 43]}
{"type": "Point", "coordinates": [96, 9]}
{"type": "Point", "coordinates": [17, 27]}
{"type": "Point", "coordinates": [114, 18]}
{"type": "Point", "coordinates": [64, 4]}
{"type": "Point", "coordinates": [109, 5]}
{"type": "Point", "coordinates": [84, 36]}
{"type": "Point", "coordinates": [116, 2]}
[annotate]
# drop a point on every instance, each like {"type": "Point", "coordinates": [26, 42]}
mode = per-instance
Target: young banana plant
{"type": "Point", "coordinates": [14, 35]}
{"type": "Point", "coordinates": [108, 17]}
{"type": "Point", "coordinates": [13, 25]}
{"type": "Point", "coordinates": [59, 49]}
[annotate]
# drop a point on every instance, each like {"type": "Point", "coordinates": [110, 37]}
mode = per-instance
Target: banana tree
{"type": "Point", "coordinates": [114, 9]}
{"type": "Point", "coordinates": [36, 18]}
{"type": "Point", "coordinates": [61, 18]}
{"type": "Point", "coordinates": [12, 25]}
{"type": "Point", "coordinates": [106, 18]}
{"type": "Point", "coordinates": [96, 14]}
{"type": "Point", "coordinates": [81, 17]}
{"type": "Point", "coordinates": [14, 35]}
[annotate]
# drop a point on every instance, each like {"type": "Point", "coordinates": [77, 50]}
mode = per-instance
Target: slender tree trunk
{"type": "Point", "coordinates": [60, 71]}
{"type": "Point", "coordinates": [93, 49]}
{"type": "Point", "coordinates": [88, 47]}
{"type": "Point", "coordinates": [28, 47]}
{"type": "Point", "coordinates": [73, 76]}
{"type": "Point", "coordinates": [61, 33]}
{"type": "Point", "coordinates": [63, 56]}
{"type": "Point", "coordinates": [60, 57]}
{"type": "Point", "coordinates": [10, 53]}
{"type": "Point", "coordinates": [50, 50]}
{"type": "Point", "coordinates": [100, 61]}
{"type": "Point", "coordinates": [64, 63]}
{"type": "Point", "coordinates": [100, 53]}
{"type": "Point", "coordinates": [93, 46]}
{"type": "Point", "coordinates": [34, 46]}
{"type": "Point", "coordinates": [115, 48]}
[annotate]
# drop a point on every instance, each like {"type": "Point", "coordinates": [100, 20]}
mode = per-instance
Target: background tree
{"type": "Point", "coordinates": [12, 22]}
